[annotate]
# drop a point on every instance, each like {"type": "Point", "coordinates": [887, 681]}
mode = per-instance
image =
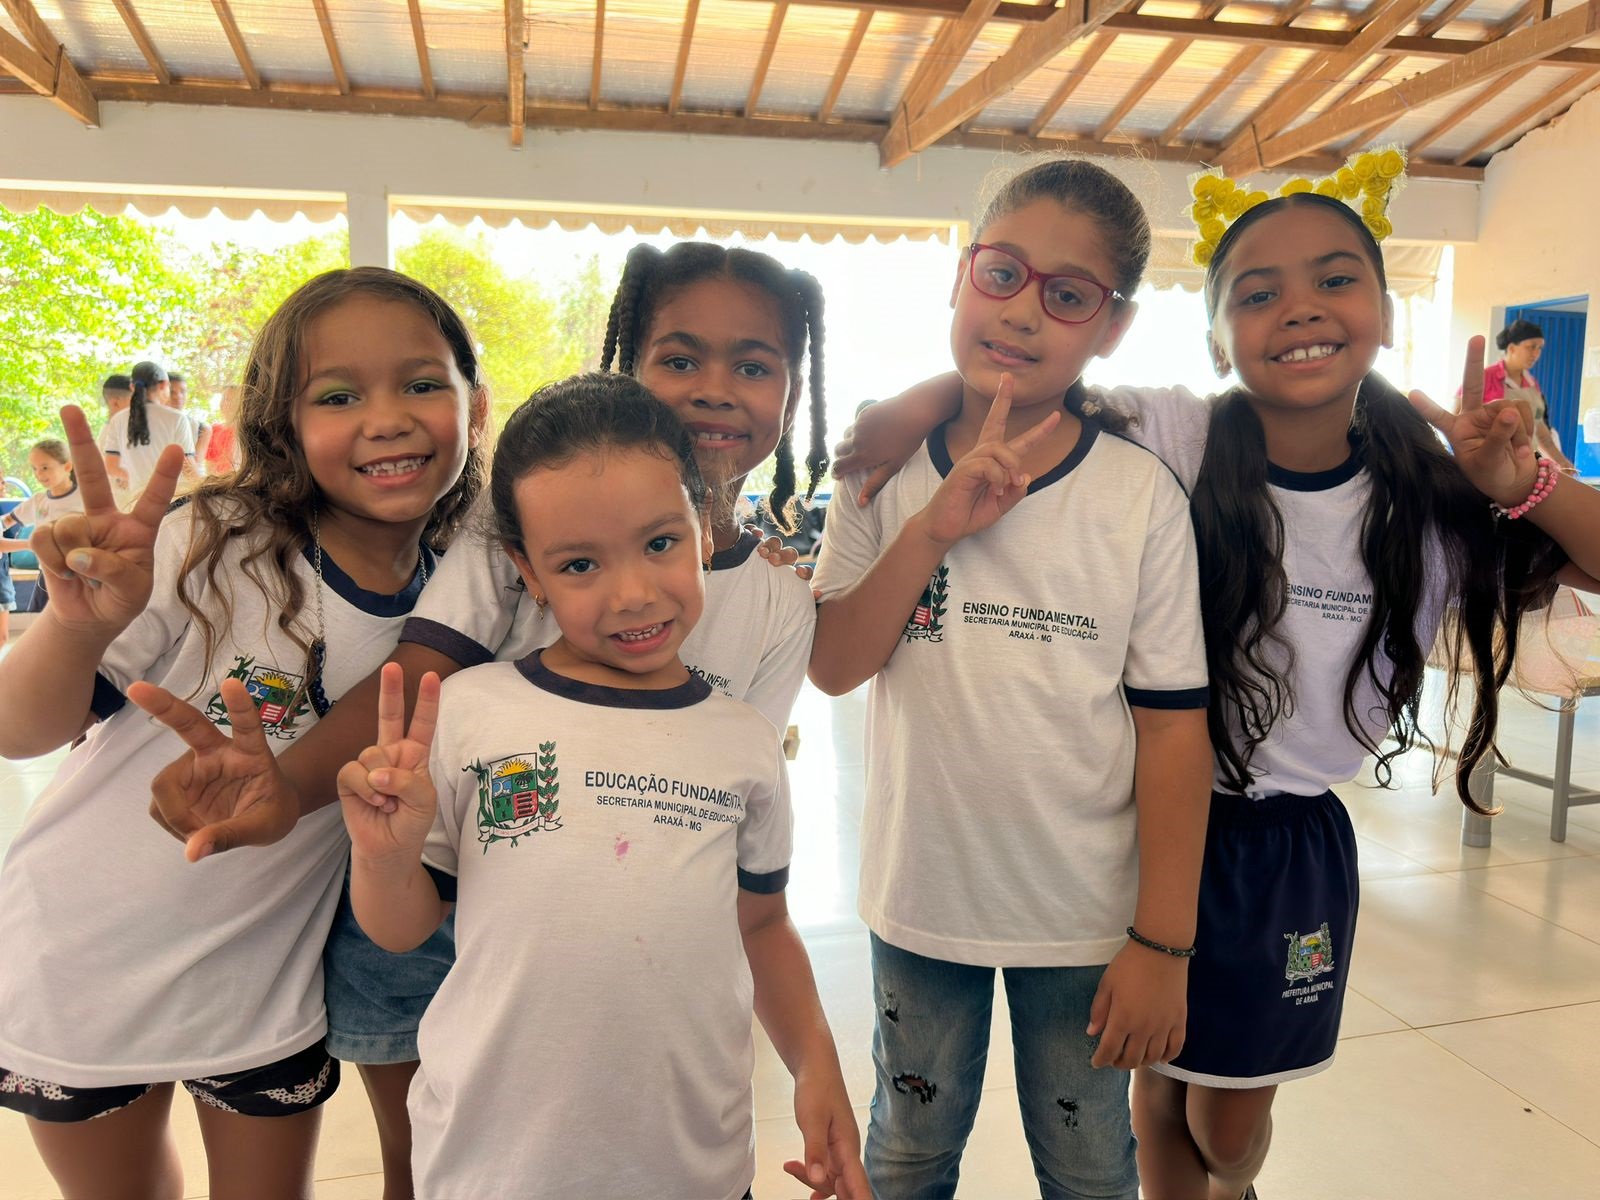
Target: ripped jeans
{"type": "Point", "coordinates": [930, 1047]}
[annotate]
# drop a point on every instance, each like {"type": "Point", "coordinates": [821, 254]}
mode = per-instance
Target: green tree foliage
{"type": "Point", "coordinates": [80, 295]}
{"type": "Point", "coordinates": [527, 336]}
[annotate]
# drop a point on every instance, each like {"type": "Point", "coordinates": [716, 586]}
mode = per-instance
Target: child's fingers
{"type": "Point", "coordinates": [1472, 375]}
{"type": "Point", "coordinates": [88, 464]}
{"type": "Point", "coordinates": [1441, 419]}
{"type": "Point", "coordinates": [48, 549]}
{"type": "Point", "coordinates": [852, 1180]}
{"type": "Point", "coordinates": [183, 718]}
{"type": "Point", "coordinates": [994, 424]}
{"type": "Point", "coordinates": [391, 704]}
{"type": "Point", "coordinates": [1029, 438]}
{"type": "Point", "coordinates": [245, 718]}
{"type": "Point", "coordinates": [260, 825]}
{"type": "Point", "coordinates": [354, 782]}
{"type": "Point", "coordinates": [413, 789]}
{"type": "Point", "coordinates": [120, 576]}
{"type": "Point", "coordinates": [875, 483]}
{"type": "Point", "coordinates": [156, 498]}
{"type": "Point", "coordinates": [425, 717]}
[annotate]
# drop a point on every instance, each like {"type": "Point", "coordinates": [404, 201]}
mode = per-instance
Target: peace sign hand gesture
{"type": "Point", "coordinates": [1492, 443]}
{"type": "Point", "coordinates": [387, 794]}
{"type": "Point", "coordinates": [101, 561]}
{"type": "Point", "coordinates": [988, 481]}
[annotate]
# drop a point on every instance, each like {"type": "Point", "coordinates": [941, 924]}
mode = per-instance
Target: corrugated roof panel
{"type": "Point", "coordinates": [804, 61]}
{"type": "Point", "coordinates": [466, 42]}
{"type": "Point", "coordinates": [641, 51]}
{"type": "Point", "coordinates": [894, 46]}
{"type": "Point", "coordinates": [1531, 88]}
{"type": "Point", "coordinates": [721, 61]}
{"type": "Point", "coordinates": [95, 37]}
{"type": "Point", "coordinates": [988, 46]}
{"type": "Point", "coordinates": [560, 55]}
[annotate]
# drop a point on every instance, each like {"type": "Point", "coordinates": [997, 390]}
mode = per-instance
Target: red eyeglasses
{"type": "Point", "coordinates": [1070, 299]}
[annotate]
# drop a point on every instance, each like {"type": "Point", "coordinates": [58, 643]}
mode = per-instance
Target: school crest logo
{"type": "Point", "coordinates": [927, 619]}
{"type": "Point", "coordinates": [280, 697]}
{"type": "Point", "coordinates": [1310, 954]}
{"type": "Point", "coordinates": [517, 796]}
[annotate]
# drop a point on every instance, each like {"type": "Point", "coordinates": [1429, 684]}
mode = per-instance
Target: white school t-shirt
{"type": "Point", "coordinates": [1000, 827]}
{"type": "Point", "coordinates": [167, 427]}
{"type": "Point", "coordinates": [121, 962]}
{"type": "Point", "coordinates": [752, 642]}
{"type": "Point", "coordinates": [593, 1038]}
{"type": "Point", "coordinates": [42, 508]}
{"type": "Point", "coordinates": [1330, 596]}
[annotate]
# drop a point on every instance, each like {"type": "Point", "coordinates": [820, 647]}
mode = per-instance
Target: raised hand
{"type": "Point", "coordinates": [1492, 443]}
{"type": "Point", "coordinates": [101, 561]}
{"type": "Point", "coordinates": [988, 481]}
{"type": "Point", "coordinates": [225, 791]}
{"type": "Point", "coordinates": [387, 795]}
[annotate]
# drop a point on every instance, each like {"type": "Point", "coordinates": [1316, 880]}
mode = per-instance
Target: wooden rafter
{"type": "Point", "coordinates": [141, 39]}
{"type": "Point", "coordinates": [1290, 102]}
{"type": "Point", "coordinates": [1079, 72]}
{"type": "Point", "coordinates": [1533, 44]}
{"type": "Point", "coordinates": [933, 71]}
{"type": "Point", "coordinates": [1032, 48]}
{"type": "Point", "coordinates": [334, 58]}
{"type": "Point", "coordinates": [1462, 111]}
{"type": "Point", "coordinates": [1389, 62]}
{"type": "Point", "coordinates": [420, 37]}
{"type": "Point", "coordinates": [768, 46]}
{"type": "Point", "coordinates": [516, 77]}
{"type": "Point", "coordinates": [599, 53]}
{"type": "Point", "coordinates": [846, 60]}
{"type": "Point", "coordinates": [1224, 80]}
{"type": "Point", "coordinates": [690, 16]}
{"type": "Point", "coordinates": [42, 63]}
{"type": "Point", "coordinates": [236, 39]}
{"type": "Point", "coordinates": [1174, 51]}
{"type": "Point", "coordinates": [1541, 110]}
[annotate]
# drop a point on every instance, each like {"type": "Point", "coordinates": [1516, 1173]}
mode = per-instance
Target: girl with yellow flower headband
{"type": "Point", "coordinates": [1334, 530]}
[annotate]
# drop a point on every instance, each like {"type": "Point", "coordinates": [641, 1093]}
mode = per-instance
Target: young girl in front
{"type": "Point", "coordinates": [1334, 530]}
{"type": "Point", "coordinates": [1023, 597]}
{"type": "Point", "coordinates": [723, 337]}
{"type": "Point", "coordinates": [618, 835]}
{"type": "Point", "coordinates": [58, 495]}
{"type": "Point", "coordinates": [262, 600]}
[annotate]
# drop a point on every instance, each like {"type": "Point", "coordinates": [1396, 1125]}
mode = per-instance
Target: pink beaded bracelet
{"type": "Point", "coordinates": [1543, 484]}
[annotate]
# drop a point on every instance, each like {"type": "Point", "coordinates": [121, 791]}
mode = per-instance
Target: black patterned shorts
{"type": "Point", "coordinates": [281, 1089]}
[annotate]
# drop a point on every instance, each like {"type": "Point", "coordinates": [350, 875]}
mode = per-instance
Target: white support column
{"type": "Point", "coordinates": [367, 211]}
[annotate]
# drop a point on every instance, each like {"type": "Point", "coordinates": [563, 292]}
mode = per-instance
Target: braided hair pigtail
{"type": "Point", "coordinates": [138, 418]}
{"type": "Point", "coordinates": [622, 323]}
{"type": "Point", "coordinates": [817, 459]}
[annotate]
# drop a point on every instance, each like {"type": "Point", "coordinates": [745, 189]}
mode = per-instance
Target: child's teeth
{"type": "Point", "coordinates": [1303, 353]}
{"type": "Point", "coordinates": [641, 634]}
{"type": "Point", "coordinates": [395, 467]}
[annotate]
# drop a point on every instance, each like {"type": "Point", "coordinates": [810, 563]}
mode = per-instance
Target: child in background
{"type": "Point", "coordinates": [58, 495]}
{"type": "Point", "coordinates": [263, 598]}
{"type": "Point", "coordinates": [636, 818]}
{"type": "Point", "coordinates": [116, 393]}
{"type": "Point", "coordinates": [133, 439]}
{"type": "Point", "coordinates": [177, 400]}
{"type": "Point", "coordinates": [222, 448]}
{"type": "Point", "coordinates": [1024, 599]}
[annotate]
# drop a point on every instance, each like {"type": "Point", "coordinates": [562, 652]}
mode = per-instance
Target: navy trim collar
{"type": "Point", "coordinates": [1320, 481]}
{"type": "Point", "coordinates": [543, 678]}
{"type": "Point", "coordinates": [378, 604]}
{"type": "Point", "coordinates": [939, 450]}
{"type": "Point", "coordinates": [736, 554]}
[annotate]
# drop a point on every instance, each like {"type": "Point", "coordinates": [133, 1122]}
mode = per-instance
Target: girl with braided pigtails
{"type": "Point", "coordinates": [721, 337]}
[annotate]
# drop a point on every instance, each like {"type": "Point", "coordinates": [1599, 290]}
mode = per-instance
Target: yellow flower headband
{"type": "Point", "coordinates": [1373, 177]}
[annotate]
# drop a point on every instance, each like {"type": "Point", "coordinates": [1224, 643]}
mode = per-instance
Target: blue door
{"type": "Point", "coordinates": [1560, 373]}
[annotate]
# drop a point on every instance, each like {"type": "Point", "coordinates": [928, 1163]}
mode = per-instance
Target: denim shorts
{"type": "Point", "coordinates": [376, 998]}
{"type": "Point", "coordinates": [8, 590]}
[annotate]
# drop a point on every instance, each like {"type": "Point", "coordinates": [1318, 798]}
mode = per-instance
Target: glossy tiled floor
{"type": "Point", "coordinates": [1470, 1060]}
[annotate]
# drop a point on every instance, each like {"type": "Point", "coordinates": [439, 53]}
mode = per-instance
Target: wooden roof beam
{"type": "Point", "coordinates": [846, 60]}
{"type": "Point", "coordinates": [324, 20]}
{"type": "Point", "coordinates": [516, 77]}
{"type": "Point", "coordinates": [598, 64]}
{"type": "Point", "coordinates": [1533, 115]}
{"type": "Point", "coordinates": [236, 40]}
{"type": "Point", "coordinates": [937, 64]}
{"type": "Point", "coordinates": [1079, 72]}
{"type": "Point", "coordinates": [420, 37]}
{"type": "Point", "coordinates": [1033, 47]}
{"type": "Point", "coordinates": [690, 16]}
{"type": "Point", "coordinates": [42, 63]}
{"type": "Point", "coordinates": [759, 79]}
{"type": "Point", "coordinates": [1226, 78]}
{"type": "Point", "coordinates": [1291, 102]}
{"type": "Point", "coordinates": [1533, 44]}
{"type": "Point", "coordinates": [141, 39]}
{"type": "Point", "coordinates": [1159, 68]}
{"type": "Point", "coordinates": [1463, 111]}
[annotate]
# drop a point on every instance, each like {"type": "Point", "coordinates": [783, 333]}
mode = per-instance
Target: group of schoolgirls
{"type": "Point", "coordinates": [1106, 711]}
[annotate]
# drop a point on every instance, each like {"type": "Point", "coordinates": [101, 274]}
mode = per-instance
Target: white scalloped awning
{"type": "Point", "coordinates": [644, 220]}
{"type": "Point", "coordinates": [1412, 267]}
{"type": "Point", "coordinates": [24, 196]}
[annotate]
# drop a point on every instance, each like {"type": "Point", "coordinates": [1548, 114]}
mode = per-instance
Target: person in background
{"type": "Point", "coordinates": [133, 439]}
{"type": "Point", "coordinates": [58, 495]}
{"type": "Point", "coordinates": [177, 400]}
{"type": "Point", "coordinates": [1522, 342]}
{"type": "Point", "coordinates": [117, 393]}
{"type": "Point", "coordinates": [221, 454]}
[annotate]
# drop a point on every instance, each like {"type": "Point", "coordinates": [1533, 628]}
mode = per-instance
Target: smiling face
{"type": "Point", "coordinates": [53, 475]}
{"type": "Point", "coordinates": [1043, 355]}
{"type": "Point", "coordinates": [1300, 311]}
{"type": "Point", "coordinates": [715, 354]}
{"type": "Point", "coordinates": [383, 414]}
{"type": "Point", "coordinates": [613, 543]}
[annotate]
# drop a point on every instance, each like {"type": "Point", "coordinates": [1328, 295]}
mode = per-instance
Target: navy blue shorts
{"type": "Point", "coordinates": [1277, 920]}
{"type": "Point", "coordinates": [376, 998]}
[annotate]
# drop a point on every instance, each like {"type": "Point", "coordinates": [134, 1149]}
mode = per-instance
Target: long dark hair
{"type": "Point", "coordinates": [652, 275]}
{"type": "Point", "coordinates": [1422, 516]}
{"type": "Point", "coordinates": [146, 375]}
{"type": "Point", "coordinates": [589, 413]}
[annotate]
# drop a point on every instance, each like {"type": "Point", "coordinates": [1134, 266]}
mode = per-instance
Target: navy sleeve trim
{"type": "Point", "coordinates": [764, 885]}
{"type": "Point", "coordinates": [444, 881]}
{"type": "Point", "coordinates": [446, 641]}
{"type": "Point", "coordinates": [107, 698]}
{"type": "Point", "coordinates": [1183, 698]}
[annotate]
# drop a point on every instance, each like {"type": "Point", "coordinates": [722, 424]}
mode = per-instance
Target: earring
{"type": "Point", "coordinates": [541, 602]}
{"type": "Point", "coordinates": [706, 566]}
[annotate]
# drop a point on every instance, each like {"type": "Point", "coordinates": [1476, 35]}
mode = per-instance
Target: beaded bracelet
{"type": "Point", "coordinates": [1543, 484]}
{"type": "Point", "coordinates": [1150, 945]}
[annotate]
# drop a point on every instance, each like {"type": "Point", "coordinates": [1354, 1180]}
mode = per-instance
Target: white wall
{"type": "Point", "coordinates": [1538, 235]}
{"type": "Point", "coordinates": [372, 157]}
